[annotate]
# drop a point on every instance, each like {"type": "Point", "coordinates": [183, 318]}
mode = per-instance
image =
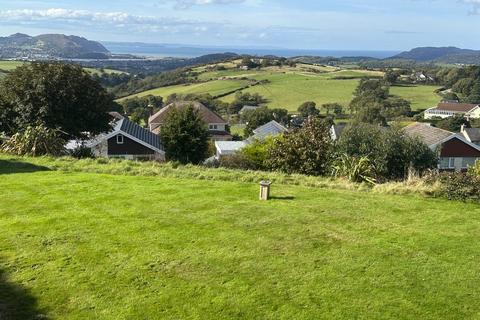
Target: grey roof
{"type": "Point", "coordinates": [248, 108]}
{"type": "Point", "coordinates": [427, 133]}
{"type": "Point", "coordinates": [273, 128]}
{"type": "Point", "coordinates": [142, 134]}
{"type": "Point", "coordinates": [229, 147]}
{"type": "Point", "coordinates": [472, 134]}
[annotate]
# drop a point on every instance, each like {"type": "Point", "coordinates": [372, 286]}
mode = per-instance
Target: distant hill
{"type": "Point", "coordinates": [441, 55]}
{"type": "Point", "coordinates": [50, 46]}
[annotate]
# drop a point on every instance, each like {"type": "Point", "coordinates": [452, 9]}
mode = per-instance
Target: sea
{"type": "Point", "coordinates": [187, 51]}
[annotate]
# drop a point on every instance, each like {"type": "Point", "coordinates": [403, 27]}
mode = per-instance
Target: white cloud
{"type": "Point", "coordinates": [184, 4]}
{"type": "Point", "coordinates": [106, 20]}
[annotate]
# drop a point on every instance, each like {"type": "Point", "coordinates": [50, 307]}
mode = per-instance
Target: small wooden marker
{"type": "Point", "coordinates": [265, 190]}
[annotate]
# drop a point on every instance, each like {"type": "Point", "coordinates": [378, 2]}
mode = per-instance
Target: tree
{"type": "Point", "coordinates": [308, 109]}
{"type": "Point", "coordinates": [335, 108]}
{"type": "Point", "coordinates": [246, 99]}
{"type": "Point", "coordinates": [391, 152]}
{"type": "Point", "coordinates": [185, 136]}
{"type": "Point", "coordinates": [453, 123]}
{"type": "Point", "coordinates": [263, 115]}
{"type": "Point", "coordinates": [139, 109]}
{"type": "Point", "coordinates": [307, 150]}
{"type": "Point", "coordinates": [391, 76]}
{"type": "Point", "coordinates": [57, 96]}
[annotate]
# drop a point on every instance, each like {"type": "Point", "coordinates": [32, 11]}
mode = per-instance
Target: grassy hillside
{"type": "Point", "coordinates": [86, 246]}
{"type": "Point", "coordinates": [288, 87]}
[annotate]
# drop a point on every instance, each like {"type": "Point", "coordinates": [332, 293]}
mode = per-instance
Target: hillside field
{"type": "Point", "coordinates": [77, 245]}
{"type": "Point", "coordinates": [288, 87]}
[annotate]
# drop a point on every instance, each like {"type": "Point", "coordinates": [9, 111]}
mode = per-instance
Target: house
{"type": "Point", "coordinates": [216, 125]}
{"type": "Point", "coordinates": [228, 148]}
{"type": "Point", "coordinates": [128, 140]}
{"type": "Point", "coordinates": [247, 108]}
{"type": "Point", "coordinates": [455, 151]}
{"type": "Point", "coordinates": [471, 134]}
{"type": "Point", "coordinates": [447, 109]}
{"type": "Point", "coordinates": [271, 129]}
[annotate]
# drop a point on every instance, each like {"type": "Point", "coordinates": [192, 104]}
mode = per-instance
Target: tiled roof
{"type": "Point", "coordinates": [272, 128]}
{"type": "Point", "coordinates": [248, 108]}
{"type": "Point", "coordinates": [458, 107]}
{"type": "Point", "coordinates": [472, 134]}
{"type": "Point", "coordinates": [206, 114]}
{"type": "Point", "coordinates": [428, 134]}
{"type": "Point", "coordinates": [138, 132]}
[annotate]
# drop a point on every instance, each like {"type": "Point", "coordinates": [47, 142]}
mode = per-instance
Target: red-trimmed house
{"type": "Point", "coordinates": [455, 151]}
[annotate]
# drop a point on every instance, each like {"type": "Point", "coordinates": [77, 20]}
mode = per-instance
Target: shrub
{"type": "Point", "coordinates": [459, 186]}
{"type": "Point", "coordinates": [307, 150]}
{"type": "Point", "coordinates": [355, 169]}
{"type": "Point", "coordinates": [35, 141]}
{"type": "Point", "coordinates": [82, 152]}
{"type": "Point", "coordinates": [237, 161]}
{"type": "Point", "coordinates": [391, 152]}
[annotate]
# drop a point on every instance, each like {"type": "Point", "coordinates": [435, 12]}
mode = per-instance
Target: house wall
{"type": "Point", "coordinates": [457, 148]}
{"type": "Point", "coordinates": [129, 147]}
{"type": "Point", "coordinates": [474, 114]}
{"type": "Point", "coordinates": [457, 155]}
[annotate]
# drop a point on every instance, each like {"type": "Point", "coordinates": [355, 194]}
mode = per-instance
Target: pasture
{"type": "Point", "coordinates": [79, 245]}
{"type": "Point", "coordinates": [288, 87]}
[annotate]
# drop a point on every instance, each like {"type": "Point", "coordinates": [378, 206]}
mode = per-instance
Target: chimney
{"type": "Point", "coordinates": [150, 109]}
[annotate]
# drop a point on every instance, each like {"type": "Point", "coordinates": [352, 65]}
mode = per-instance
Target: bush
{"type": "Point", "coordinates": [391, 152]}
{"type": "Point", "coordinates": [82, 152]}
{"type": "Point", "coordinates": [355, 169]}
{"type": "Point", "coordinates": [459, 186]}
{"type": "Point", "coordinates": [237, 161]}
{"type": "Point", "coordinates": [307, 150]}
{"type": "Point", "coordinates": [35, 141]}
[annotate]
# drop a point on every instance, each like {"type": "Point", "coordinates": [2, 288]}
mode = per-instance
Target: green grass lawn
{"type": "Point", "coordinates": [97, 246]}
{"type": "Point", "coordinates": [421, 96]}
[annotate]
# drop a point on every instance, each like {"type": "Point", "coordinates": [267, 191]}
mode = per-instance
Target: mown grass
{"type": "Point", "coordinates": [99, 246]}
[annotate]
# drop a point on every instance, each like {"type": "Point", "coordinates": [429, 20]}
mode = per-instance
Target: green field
{"type": "Point", "coordinates": [216, 87]}
{"type": "Point", "coordinates": [98, 246]}
{"type": "Point", "coordinates": [289, 87]}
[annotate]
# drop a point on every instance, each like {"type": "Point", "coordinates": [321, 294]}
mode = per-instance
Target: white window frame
{"type": "Point", "coordinates": [122, 140]}
{"type": "Point", "coordinates": [213, 127]}
{"type": "Point", "coordinates": [451, 163]}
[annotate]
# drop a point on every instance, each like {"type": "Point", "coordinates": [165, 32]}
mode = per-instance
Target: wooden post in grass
{"type": "Point", "coordinates": [265, 190]}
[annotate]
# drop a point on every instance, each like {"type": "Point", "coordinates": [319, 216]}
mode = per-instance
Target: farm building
{"type": "Point", "coordinates": [455, 151]}
{"type": "Point", "coordinates": [449, 109]}
{"type": "Point", "coordinates": [216, 124]}
{"type": "Point", "coordinates": [129, 141]}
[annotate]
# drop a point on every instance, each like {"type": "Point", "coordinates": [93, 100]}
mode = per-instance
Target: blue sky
{"type": "Point", "coordinates": [338, 24]}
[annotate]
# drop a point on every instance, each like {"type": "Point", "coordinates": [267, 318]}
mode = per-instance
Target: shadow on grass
{"type": "Point", "coordinates": [12, 166]}
{"type": "Point", "coordinates": [289, 198]}
{"type": "Point", "coordinates": [16, 302]}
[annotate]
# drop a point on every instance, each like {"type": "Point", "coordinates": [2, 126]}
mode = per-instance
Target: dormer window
{"type": "Point", "coordinates": [119, 139]}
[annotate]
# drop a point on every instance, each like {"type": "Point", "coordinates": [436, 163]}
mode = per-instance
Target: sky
{"type": "Point", "coordinates": [308, 24]}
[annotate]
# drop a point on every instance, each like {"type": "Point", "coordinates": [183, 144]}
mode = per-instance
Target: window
{"type": "Point", "coordinates": [213, 127]}
{"type": "Point", "coordinates": [468, 162]}
{"type": "Point", "coordinates": [447, 163]}
{"type": "Point", "coordinates": [119, 139]}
